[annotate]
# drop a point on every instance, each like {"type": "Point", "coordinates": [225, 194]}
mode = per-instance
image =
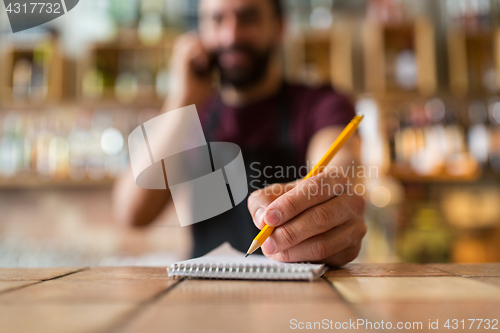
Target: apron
{"type": "Point", "coordinates": [236, 225]}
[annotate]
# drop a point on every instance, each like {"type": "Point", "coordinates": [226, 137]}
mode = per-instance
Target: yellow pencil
{"type": "Point", "coordinates": [334, 148]}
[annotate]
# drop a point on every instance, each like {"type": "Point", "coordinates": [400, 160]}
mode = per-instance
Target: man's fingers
{"type": "Point", "coordinates": [306, 194]}
{"type": "Point", "coordinates": [321, 247]}
{"type": "Point", "coordinates": [345, 256]}
{"type": "Point", "coordinates": [315, 220]}
{"type": "Point", "coordinates": [260, 199]}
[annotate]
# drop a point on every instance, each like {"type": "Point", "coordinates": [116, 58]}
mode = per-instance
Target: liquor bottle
{"type": "Point", "coordinates": [494, 134]}
{"type": "Point", "coordinates": [478, 137]}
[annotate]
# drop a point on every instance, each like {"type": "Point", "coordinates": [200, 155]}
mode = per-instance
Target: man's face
{"type": "Point", "coordinates": [241, 35]}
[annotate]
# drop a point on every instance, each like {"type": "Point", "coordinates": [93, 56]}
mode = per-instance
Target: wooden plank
{"type": "Point", "coordinates": [380, 270]}
{"type": "Point", "coordinates": [426, 56]}
{"type": "Point", "coordinates": [55, 318]}
{"type": "Point", "coordinates": [8, 285]}
{"type": "Point", "coordinates": [425, 312]}
{"type": "Point", "coordinates": [241, 306]}
{"type": "Point", "coordinates": [413, 289]}
{"type": "Point", "coordinates": [496, 50]}
{"type": "Point", "coordinates": [341, 53]}
{"type": "Point", "coordinates": [374, 58]}
{"type": "Point", "coordinates": [236, 317]}
{"type": "Point", "coordinates": [489, 279]}
{"type": "Point", "coordinates": [34, 274]}
{"type": "Point", "coordinates": [457, 62]}
{"type": "Point", "coordinates": [470, 270]}
{"type": "Point", "coordinates": [219, 291]}
{"type": "Point", "coordinates": [114, 273]}
{"type": "Point", "coordinates": [63, 291]}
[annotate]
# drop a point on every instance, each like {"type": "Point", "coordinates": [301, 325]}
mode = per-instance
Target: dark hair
{"type": "Point", "coordinates": [278, 7]}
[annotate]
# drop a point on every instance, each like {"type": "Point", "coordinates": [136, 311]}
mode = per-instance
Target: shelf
{"type": "Point", "coordinates": [33, 182]}
{"type": "Point", "coordinates": [407, 175]}
{"type": "Point", "coordinates": [108, 60]}
{"type": "Point", "coordinates": [322, 57]}
{"type": "Point", "coordinates": [109, 103]}
{"type": "Point", "coordinates": [381, 45]}
{"type": "Point", "coordinates": [50, 63]}
{"type": "Point", "coordinates": [471, 55]}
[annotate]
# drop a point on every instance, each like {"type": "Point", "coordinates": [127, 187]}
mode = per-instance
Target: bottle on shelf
{"type": "Point", "coordinates": [478, 137]}
{"type": "Point", "coordinates": [494, 134]}
{"type": "Point", "coordinates": [431, 141]}
{"type": "Point", "coordinates": [21, 80]}
{"type": "Point", "coordinates": [58, 145]}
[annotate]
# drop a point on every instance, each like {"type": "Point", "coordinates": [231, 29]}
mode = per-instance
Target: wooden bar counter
{"type": "Point", "coordinates": [358, 297]}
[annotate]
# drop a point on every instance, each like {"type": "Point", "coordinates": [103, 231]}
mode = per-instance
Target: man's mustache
{"type": "Point", "coordinates": [237, 48]}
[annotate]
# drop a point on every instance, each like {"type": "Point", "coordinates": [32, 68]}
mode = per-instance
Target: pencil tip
{"type": "Point", "coordinates": [255, 245]}
{"type": "Point", "coordinates": [246, 255]}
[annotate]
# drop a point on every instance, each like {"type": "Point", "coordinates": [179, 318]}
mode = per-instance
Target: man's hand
{"type": "Point", "coordinates": [319, 219]}
{"type": "Point", "coordinates": [191, 75]}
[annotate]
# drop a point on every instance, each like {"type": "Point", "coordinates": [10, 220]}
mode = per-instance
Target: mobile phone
{"type": "Point", "coordinates": [205, 71]}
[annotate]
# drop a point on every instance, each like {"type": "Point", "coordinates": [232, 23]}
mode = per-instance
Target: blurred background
{"type": "Point", "coordinates": [424, 72]}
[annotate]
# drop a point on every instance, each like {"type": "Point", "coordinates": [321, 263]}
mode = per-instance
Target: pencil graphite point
{"type": "Point", "coordinates": [255, 245]}
{"type": "Point", "coordinates": [246, 255]}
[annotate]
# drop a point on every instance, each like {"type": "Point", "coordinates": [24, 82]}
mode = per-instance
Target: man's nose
{"type": "Point", "coordinates": [231, 32]}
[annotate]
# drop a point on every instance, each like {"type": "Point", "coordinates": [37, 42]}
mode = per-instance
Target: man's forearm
{"type": "Point", "coordinates": [135, 206]}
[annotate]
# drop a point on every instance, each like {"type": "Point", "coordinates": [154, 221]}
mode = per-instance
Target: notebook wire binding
{"type": "Point", "coordinates": [243, 272]}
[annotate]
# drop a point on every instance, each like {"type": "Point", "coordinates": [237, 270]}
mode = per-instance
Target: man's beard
{"type": "Point", "coordinates": [247, 76]}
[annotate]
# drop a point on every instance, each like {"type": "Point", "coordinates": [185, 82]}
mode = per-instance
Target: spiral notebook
{"type": "Point", "coordinates": [227, 263]}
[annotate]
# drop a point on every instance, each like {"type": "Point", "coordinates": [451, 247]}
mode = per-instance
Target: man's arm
{"type": "Point", "coordinates": [132, 205]}
{"type": "Point", "coordinates": [319, 219]}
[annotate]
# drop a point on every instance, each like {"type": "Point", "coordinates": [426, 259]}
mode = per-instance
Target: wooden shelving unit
{"type": "Point", "coordinates": [407, 175]}
{"type": "Point", "coordinates": [152, 58]}
{"type": "Point", "coordinates": [33, 182]}
{"type": "Point", "coordinates": [48, 57]}
{"type": "Point", "coordinates": [321, 57]}
{"type": "Point", "coordinates": [382, 42]}
{"type": "Point", "coordinates": [473, 56]}
{"type": "Point", "coordinates": [107, 58]}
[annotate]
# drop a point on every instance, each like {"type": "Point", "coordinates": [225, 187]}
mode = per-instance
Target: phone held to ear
{"type": "Point", "coordinates": [204, 70]}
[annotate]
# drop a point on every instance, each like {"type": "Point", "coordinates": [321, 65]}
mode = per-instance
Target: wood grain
{"type": "Point", "coordinates": [134, 299]}
{"type": "Point", "coordinates": [241, 306]}
{"type": "Point", "coordinates": [235, 317]}
{"type": "Point", "coordinates": [62, 291]}
{"type": "Point", "coordinates": [489, 279]}
{"type": "Point", "coordinates": [470, 270]}
{"type": "Point", "coordinates": [411, 312]}
{"type": "Point", "coordinates": [9, 285]}
{"type": "Point", "coordinates": [34, 274]}
{"type": "Point", "coordinates": [413, 289]}
{"type": "Point", "coordinates": [218, 291]}
{"type": "Point", "coordinates": [114, 273]}
{"type": "Point", "coordinates": [380, 270]}
{"type": "Point", "coordinates": [52, 318]}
